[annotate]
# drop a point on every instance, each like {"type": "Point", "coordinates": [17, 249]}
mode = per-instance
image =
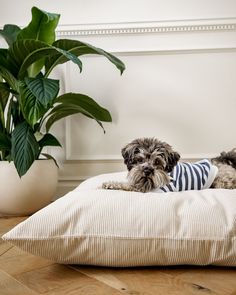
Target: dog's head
{"type": "Point", "coordinates": [149, 161]}
{"type": "Point", "coordinates": [227, 158]}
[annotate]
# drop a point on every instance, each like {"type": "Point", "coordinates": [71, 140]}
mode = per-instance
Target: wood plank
{"type": "Point", "coordinates": [221, 280]}
{"type": "Point", "coordinates": [173, 270]}
{"type": "Point", "coordinates": [103, 275]}
{"type": "Point", "coordinates": [23, 263]}
{"type": "Point", "coordinates": [11, 252]}
{"type": "Point", "coordinates": [59, 279]}
{"type": "Point", "coordinates": [10, 286]}
{"type": "Point", "coordinates": [85, 287]}
{"type": "Point", "coordinates": [142, 281]}
{"type": "Point", "coordinates": [4, 247]}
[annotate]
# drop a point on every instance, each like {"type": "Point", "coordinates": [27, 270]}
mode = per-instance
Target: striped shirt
{"type": "Point", "coordinates": [191, 176]}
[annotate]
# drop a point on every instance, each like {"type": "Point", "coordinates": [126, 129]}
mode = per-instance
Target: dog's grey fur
{"type": "Point", "coordinates": [149, 161]}
{"type": "Point", "coordinates": [226, 163]}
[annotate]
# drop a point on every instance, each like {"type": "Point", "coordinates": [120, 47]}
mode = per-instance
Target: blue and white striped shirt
{"type": "Point", "coordinates": [191, 176]}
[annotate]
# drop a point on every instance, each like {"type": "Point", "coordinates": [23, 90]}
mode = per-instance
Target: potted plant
{"type": "Point", "coordinates": [30, 105]}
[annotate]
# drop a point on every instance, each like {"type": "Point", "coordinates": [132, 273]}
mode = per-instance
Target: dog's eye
{"type": "Point", "coordinates": [140, 160]}
{"type": "Point", "coordinates": [136, 151]}
{"type": "Point", "coordinates": [156, 162]}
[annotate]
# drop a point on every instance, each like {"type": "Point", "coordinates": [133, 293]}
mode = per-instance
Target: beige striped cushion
{"type": "Point", "coordinates": [116, 228]}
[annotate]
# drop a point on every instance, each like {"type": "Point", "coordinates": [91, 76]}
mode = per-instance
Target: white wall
{"type": "Point", "coordinates": [112, 11]}
{"type": "Point", "coordinates": [179, 85]}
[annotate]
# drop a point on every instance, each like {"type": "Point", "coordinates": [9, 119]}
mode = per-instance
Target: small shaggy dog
{"type": "Point", "coordinates": [153, 165]}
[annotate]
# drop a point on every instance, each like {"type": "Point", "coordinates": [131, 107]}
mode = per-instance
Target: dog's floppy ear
{"type": "Point", "coordinates": [172, 160]}
{"type": "Point", "coordinates": [126, 154]}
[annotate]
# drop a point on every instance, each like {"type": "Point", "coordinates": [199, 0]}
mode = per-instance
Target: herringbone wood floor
{"type": "Point", "coordinates": [24, 274]}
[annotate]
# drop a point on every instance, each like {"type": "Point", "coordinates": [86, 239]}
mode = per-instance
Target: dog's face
{"type": "Point", "coordinates": [149, 161]}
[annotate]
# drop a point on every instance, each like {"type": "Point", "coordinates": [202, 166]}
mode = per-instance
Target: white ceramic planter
{"type": "Point", "coordinates": [31, 192]}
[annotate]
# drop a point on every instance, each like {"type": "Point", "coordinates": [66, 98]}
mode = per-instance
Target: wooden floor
{"type": "Point", "coordinates": [24, 274]}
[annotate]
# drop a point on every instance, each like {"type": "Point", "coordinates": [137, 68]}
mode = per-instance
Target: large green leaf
{"type": "Point", "coordinates": [4, 58]}
{"type": "Point", "coordinates": [47, 156]}
{"type": "Point", "coordinates": [10, 33]}
{"type": "Point", "coordinates": [74, 103]}
{"type": "Point", "coordinates": [24, 53]}
{"type": "Point", "coordinates": [63, 111]}
{"type": "Point", "coordinates": [4, 94]}
{"type": "Point", "coordinates": [79, 48]}
{"type": "Point", "coordinates": [21, 49]}
{"type": "Point", "coordinates": [25, 148]}
{"type": "Point", "coordinates": [9, 78]}
{"type": "Point", "coordinates": [48, 140]}
{"type": "Point", "coordinates": [42, 26]}
{"type": "Point", "coordinates": [36, 97]}
{"type": "Point", "coordinates": [31, 107]}
{"type": "Point", "coordinates": [42, 52]}
{"type": "Point", "coordinates": [86, 103]}
{"type": "Point", "coordinates": [44, 89]}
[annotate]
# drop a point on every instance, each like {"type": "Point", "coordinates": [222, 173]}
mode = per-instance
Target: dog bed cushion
{"type": "Point", "coordinates": [118, 228]}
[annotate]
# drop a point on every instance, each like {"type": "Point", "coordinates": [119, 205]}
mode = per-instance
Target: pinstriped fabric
{"type": "Point", "coordinates": [188, 176]}
{"type": "Point", "coordinates": [116, 228]}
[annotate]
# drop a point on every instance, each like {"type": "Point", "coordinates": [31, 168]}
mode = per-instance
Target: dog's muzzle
{"type": "Point", "coordinates": [148, 171]}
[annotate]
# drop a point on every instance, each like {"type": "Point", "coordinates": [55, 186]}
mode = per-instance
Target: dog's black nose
{"type": "Point", "coordinates": [148, 170]}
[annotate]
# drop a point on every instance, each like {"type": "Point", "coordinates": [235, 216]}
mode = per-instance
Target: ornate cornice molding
{"type": "Point", "coordinates": [186, 26]}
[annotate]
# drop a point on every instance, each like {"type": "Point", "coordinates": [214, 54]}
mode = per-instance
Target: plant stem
{"type": "Point", "coordinates": [2, 117]}
{"type": "Point", "coordinates": [8, 122]}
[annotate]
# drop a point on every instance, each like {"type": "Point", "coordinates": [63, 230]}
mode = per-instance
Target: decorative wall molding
{"type": "Point", "coordinates": [181, 26]}
{"type": "Point", "coordinates": [153, 27]}
{"type": "Point", "coordinates": [167, 37]}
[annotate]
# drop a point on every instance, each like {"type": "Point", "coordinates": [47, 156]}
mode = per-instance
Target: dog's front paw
{"type": "Point", "coordinates": [108, 185]}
